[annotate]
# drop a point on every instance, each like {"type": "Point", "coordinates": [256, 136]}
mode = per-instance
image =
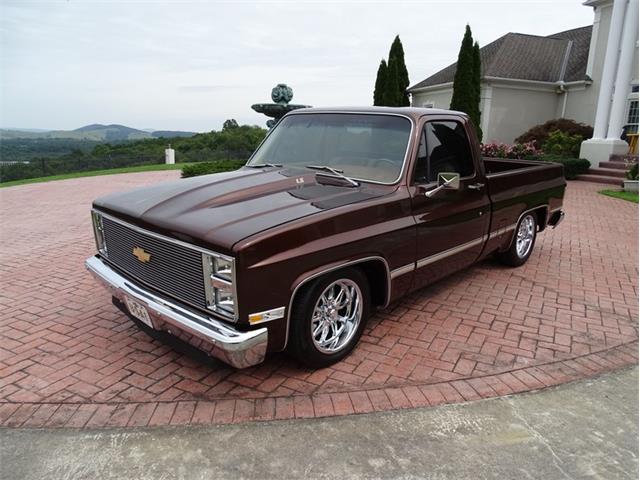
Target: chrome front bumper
{"type": "Point", "coordinates": [238, 349]}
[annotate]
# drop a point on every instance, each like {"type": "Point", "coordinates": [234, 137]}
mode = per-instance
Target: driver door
{"type": "Point", "coordinates": [452, 224]}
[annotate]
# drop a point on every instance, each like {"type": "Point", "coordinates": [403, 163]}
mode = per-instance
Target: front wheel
{"type": "Point", "coordinates": [522, 244]}
{"type": "Point", "coordinates": [328, 318]}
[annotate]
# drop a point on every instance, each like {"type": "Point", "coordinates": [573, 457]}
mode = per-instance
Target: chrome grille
{"type": "Point", "coordinates": [172, 268]}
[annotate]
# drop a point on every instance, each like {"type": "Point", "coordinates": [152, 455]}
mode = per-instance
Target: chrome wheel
{"type": "Point", "coordinates": [526, 234]}
{"type": "Point", "coordinates": [336, 316]}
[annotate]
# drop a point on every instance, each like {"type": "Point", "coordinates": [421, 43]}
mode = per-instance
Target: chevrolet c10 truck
{"type": "Point", "coordinates": [337, 213]}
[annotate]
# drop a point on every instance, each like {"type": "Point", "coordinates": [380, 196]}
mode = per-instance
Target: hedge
{"type": "Point", "coordinates": [572, 166]}
{"type": "Point", "coordinates": [205, 168]}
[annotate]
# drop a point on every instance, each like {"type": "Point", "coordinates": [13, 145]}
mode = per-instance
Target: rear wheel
{"type": "Point", "coordinates": [523, 242]}
{"type": "Point", "coordinates": [328, 318]}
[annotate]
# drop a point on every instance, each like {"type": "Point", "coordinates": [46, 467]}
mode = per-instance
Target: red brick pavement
{"type": "Point", "coordinates": [69, 358]}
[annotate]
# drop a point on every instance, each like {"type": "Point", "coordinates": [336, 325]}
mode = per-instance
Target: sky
{"type": "Point", "coordinates": [189, 65]}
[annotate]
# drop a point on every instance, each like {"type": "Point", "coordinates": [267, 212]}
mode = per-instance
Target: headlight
{"type": "Point", "coordinates": [218, 283]}
{"type": "Point", "coordinates": [223, 268]}
{"type": "Point", "coordinates": [98, 232]}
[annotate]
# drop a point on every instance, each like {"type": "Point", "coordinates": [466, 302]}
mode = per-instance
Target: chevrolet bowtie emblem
{"type": "Point", "coordinates": [141, 255]}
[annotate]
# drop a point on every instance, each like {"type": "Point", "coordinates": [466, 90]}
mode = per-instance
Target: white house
{"type": "Point", "coordinates": [589, 74]}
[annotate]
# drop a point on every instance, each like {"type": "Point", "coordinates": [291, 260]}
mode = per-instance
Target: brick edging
{"type": "Point", "coordinates": [229, 410]}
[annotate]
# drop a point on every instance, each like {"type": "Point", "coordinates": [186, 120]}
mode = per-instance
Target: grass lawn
{"type": "Point", "coordinates": [110, 171]}
{"type": "Point", "coordinates": [628, 196]}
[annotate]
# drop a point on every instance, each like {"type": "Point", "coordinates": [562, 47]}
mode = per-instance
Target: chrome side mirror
{"type": "Point", "coordinates": [446, 181]}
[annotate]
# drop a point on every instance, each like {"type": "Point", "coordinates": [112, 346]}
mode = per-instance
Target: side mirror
{"type": "Point", "coordinates": [449, 180]}
{"type": "Point", "coordinates": [446, 181]}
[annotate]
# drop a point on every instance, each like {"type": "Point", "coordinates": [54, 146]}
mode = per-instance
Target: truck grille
{"type": "Point", "coordinates": [172, 268]}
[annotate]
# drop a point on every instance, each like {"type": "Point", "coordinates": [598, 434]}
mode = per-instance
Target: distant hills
{"type": "Point", "coordinates": [96, 132]}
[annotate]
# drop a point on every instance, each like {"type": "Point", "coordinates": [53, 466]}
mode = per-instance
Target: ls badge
{"type": "Point", "coordinates": [141, 255]}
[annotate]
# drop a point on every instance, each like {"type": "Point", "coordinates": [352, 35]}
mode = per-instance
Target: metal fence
{"type": "Point", "coordinates": [44, 167]}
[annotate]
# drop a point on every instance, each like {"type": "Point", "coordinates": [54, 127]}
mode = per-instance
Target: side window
{"type": "Point", "coordinates": [422, 165]}
{"type": "Point", "coordinates": [447, 150]}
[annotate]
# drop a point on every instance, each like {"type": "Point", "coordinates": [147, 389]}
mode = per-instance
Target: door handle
{"type": "Point", "coordinates": [476, 186]}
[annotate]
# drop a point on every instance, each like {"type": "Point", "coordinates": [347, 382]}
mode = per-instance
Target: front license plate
{"type": "Point", "coordinates": [139, 311]}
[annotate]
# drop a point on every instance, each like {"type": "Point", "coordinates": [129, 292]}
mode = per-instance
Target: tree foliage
{"type": "Point", "coordinates": [379, 91]}
{"type": "Point", "coordinates": [392, 79]}
{"type": "Point", "coordinates": [392, 93]}
{"type": "Point", "coordinates": [232, 142]}
{"type": "Point", "coordinates": [466, 82]}
{"type": "Point", "coordinates": [228, 124]}
{"type": "Point", "coordinates": [477, 78]}
{"type": "Point", "coordinates": [540, 133]}
{"type": "Point", "coordinates": [397, 52]}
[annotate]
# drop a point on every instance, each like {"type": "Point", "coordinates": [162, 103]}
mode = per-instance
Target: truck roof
{"type": "Point", "coordinates": [413, 112]}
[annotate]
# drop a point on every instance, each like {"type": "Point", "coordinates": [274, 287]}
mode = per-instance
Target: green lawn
{"type": "Point", "coordinates": [111, 171]}
{"type": "Point", "coordinates": [628, 196]}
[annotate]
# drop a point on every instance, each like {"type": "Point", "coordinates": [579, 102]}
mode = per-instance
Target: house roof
{"type": "Point", "coordinates": [561, 56]}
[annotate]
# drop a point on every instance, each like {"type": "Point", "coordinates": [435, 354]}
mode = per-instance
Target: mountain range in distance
{"type": "Point", "coordinates": [97, 132]}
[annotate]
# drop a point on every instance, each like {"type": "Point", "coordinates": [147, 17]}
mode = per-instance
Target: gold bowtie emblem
{"type": "Point", "coordinates": [141, 255]}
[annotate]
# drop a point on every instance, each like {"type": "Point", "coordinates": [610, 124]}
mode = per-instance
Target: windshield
{"type": "Point", "coordinates": [362, 146]}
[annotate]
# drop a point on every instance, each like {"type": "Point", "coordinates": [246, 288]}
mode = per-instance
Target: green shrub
{"type": "Point", "coordinates": [540, 133]}
{"type": "Point", "coordinates": [562, 144]}
{"type": "Point", "coordinates": [572, 166]}
{"type": "Point", "coordinates": [205, 168]}
{"type": "Point", "coordinates": [632, 173]}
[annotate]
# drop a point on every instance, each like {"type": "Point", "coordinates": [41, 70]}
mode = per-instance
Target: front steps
{"type": "Point", "coordinates": [612, 172]}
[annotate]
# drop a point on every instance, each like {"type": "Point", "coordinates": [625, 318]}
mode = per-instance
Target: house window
{"type": "Point", "coordinates": [632, 117]}
{"type": "Point", "coordinates": [427, 105]}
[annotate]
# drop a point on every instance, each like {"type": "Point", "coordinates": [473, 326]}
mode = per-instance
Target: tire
{"type": "Point", "coordinates": [524, 239]}
{"type": "Point", "coordinates": [313, 310]}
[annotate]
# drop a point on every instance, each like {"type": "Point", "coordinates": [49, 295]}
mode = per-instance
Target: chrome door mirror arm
{"type": "Point", "coordinates": [451, 183]}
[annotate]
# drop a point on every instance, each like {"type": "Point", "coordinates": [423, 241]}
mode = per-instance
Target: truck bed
{"type": "Point", "coordinates": [519, 185]}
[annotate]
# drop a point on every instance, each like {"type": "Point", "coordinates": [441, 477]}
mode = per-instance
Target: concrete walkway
{"type": "Point", "coordinates": [586, 429]}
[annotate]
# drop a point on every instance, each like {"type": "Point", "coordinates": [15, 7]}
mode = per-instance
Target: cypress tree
{"type": "Point", "coordinates": [397, 52]}
{"type": "Point", "coordinates": [464, 91]}
{"type": "Point", "coordinates": [392, 96]}
{"type": "Point", "coordinates": [379, 91]}
{"type": "Point", "coordinates": [477, 76]}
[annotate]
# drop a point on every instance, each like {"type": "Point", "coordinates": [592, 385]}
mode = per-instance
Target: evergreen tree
{"type": "Point", "coordinates": [379, 92]}
{"type": "Point", "coordinates": [477, 76]}
{"type": "Point", "coordinates": [397, 52]}
{"type": "Point", "coordinates": [393, 95]}
{"type": "Point", "coordinates": [464, 90]}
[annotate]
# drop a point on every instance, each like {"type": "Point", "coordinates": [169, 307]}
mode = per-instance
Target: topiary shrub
{"type": "Point", "coordinates": [632, 173]}
{"type": "Point", "coordinates": [562, 144]}
{"type": "Point", "coordinates": [205, 168]}
{"type": "Point", "coordinates": [540, 133]}
{"type": "Point", "coordinates": [572, 166]}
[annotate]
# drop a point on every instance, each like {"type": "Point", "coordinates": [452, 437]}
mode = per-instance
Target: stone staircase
{"type": "Point", "coordinates": [612, 172]}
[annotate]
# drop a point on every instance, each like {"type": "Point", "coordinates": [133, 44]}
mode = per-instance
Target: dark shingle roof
{"type": "Point", "coordinates": [561, 56]}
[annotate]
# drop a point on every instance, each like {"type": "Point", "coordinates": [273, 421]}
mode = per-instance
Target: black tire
{"type": "Point", "coordinates": [516, 255]}
{"type": "Point", "coordinates": [301, 343]}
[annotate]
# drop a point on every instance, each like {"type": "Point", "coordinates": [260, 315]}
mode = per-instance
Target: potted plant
{"type": "Point", "coordinates": [631, 182]}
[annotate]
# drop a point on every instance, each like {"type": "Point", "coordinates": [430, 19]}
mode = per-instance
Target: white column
{"type": "Point", "coordinates": [623, 75]}
{"type": "Point", "coordinates": [609, 70]}
{"type": "Point", "coordinates": [169, 156]}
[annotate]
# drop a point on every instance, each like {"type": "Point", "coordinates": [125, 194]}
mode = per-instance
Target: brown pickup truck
{"type": "Point", "coordinates": [338, 212]}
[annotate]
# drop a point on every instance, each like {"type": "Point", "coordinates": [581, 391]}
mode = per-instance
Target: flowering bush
{"type": "Point", "coordinates": [503, 150]}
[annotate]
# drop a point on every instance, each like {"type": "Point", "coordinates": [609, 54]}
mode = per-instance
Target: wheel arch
{"type": "Point", "coordinates": [541, 219]}
{"type": "Point", "coordinates": [374, 267]}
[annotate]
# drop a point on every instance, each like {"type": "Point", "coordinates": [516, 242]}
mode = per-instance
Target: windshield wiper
{"type": "Point", "coordinates": [262, 165]}
{"type": "Point", "coordinates": [335, 171]}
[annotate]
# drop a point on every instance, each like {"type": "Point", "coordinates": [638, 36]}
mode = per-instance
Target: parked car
{"type": "Point", "coordinates": [337, 213]}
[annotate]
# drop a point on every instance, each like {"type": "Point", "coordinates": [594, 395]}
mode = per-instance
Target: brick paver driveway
{"type": "Point", "coordinates": [68, 357]}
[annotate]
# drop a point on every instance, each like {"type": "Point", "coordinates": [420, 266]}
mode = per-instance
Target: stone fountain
{"type": "Point", "coordinates": [281, 94]}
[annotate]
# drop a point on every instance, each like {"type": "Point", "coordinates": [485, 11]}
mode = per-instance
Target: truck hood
{"type": "Point", "coordinates": [221, 209]}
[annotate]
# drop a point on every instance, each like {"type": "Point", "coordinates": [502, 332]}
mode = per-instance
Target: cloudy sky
{"type": "Point", "coordinates": [189, 65]}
